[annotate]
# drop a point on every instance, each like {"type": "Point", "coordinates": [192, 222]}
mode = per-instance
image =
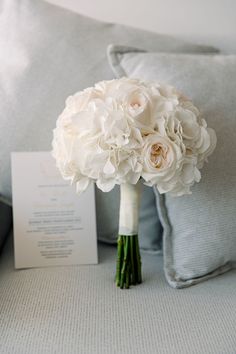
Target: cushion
{"type": "Point", "coordinates": [200, 229]}
{"type": "Point", "coordinates": [69, 310]}
{"type": "Point", "coordinates": [46, 54]}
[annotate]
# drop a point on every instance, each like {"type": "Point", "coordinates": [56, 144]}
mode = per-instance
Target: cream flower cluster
{"type": "Point", "coordinates": [121, 130]}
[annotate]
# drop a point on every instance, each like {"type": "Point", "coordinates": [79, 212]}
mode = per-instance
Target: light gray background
{"type": "Point", "coordinates": [206, 21]}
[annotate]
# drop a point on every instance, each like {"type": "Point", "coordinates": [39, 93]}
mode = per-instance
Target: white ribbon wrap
{"type": "Point", "coordinates": [129, 208]}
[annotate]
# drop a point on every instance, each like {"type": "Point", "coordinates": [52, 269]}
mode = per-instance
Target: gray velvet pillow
{"type": "Point", "coordinates": [199, 229]}
{"type": "Point", "coordinates": [48, 53]}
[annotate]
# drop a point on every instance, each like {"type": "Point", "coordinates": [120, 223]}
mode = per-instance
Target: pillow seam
{"type": "Point", "coordinates": [113, 52]}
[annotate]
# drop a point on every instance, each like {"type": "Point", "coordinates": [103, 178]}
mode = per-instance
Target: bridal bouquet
{"type": "Point", "coordinates": [126, 131]}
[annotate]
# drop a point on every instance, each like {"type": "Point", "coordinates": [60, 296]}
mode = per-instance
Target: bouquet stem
{"type": "Point", "coordinates": [128, 269]}
{"type": "Point", "coordinates": [128, 266]}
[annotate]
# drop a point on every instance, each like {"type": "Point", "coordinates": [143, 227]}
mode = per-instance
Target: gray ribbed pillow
{"type": "Point", "coordinates": [48, 53]}
{"type": "Point", "coordinates": [200, 229]}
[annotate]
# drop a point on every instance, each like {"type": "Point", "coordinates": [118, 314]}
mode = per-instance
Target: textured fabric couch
{"type": "Point", "coordinates": [78, 309]}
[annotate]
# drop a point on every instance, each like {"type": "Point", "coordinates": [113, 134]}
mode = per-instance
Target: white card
{"type": "Point", "coordinates": [52, 224]}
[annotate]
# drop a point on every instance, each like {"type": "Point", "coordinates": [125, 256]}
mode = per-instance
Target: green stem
{"type": "Point", "coordinates": [139, 264]}
{"type": "Point", "coordinates": [128, 266]}
{"type": "Point", "coordinates": [133, 272]}
{"type": "Point", "coordinates": [127, 276]}
{"type": "Point", "coordinates": [119, 259]}
{"type": "Point", "coordinates": [125, 262]}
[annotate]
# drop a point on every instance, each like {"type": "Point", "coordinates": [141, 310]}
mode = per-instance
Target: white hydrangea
{"type": "Point", "coordinates": [122, 130]}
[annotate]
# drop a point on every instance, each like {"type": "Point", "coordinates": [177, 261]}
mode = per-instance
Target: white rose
{"type": "Point", "coordinates": [165, 99]}
{"type": "Point", "coordinates": [187, 129]}
{"type": "Point", "coordinates": [188, 126]}
{"type": "Point", "coordinates": [188, 174]}
{"type": "Point", "coordinates": [208, 145]}
{"type": "Point", "coordinates": [80, 100]}
{"type": "Point", "coordinates": [161, 161]}
{"type": "Point", "coordinates": [165, 166]}
{"type": "Point", "coordinates": [182, 125]}
{"type": "Point", "coordinates": [136, 99]}
{"type": "Point", "coordinates": [170, 126]}
{"type": "Point", "coordinates": [197, 138]}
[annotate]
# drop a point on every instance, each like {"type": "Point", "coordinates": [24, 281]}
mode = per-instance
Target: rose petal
{"type": "Point", "coordinates": [108, 168]}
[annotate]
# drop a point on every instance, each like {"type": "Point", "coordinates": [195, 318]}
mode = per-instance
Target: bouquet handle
{"type": "Point", "coordinates": [128, 266]}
